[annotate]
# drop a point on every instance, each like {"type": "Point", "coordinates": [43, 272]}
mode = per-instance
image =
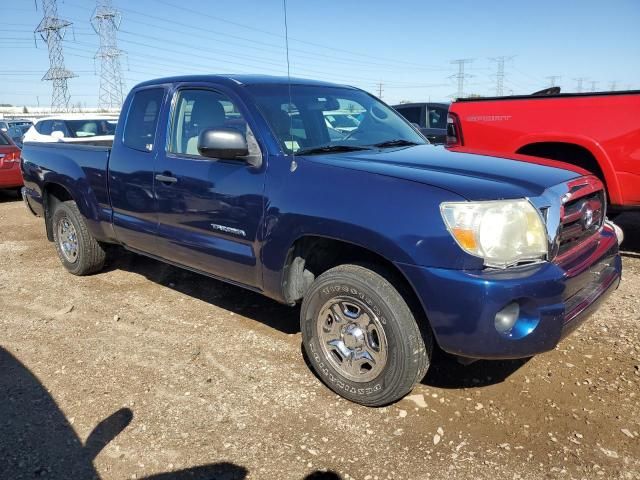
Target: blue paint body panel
{"type": "Point", "coordinates": [387, 201]}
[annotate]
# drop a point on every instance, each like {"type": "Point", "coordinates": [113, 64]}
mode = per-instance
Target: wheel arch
{"type": "Point", "coordinates": [311, 255]}
{"type": "Point", "coordinates": [52, 194]}
{"type": "Point", "coordinates": [581, 152]}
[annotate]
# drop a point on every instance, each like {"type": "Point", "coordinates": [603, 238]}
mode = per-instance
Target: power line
{"type": "Point", "coordinates": [106, 23]}
{"type": "Point", "coordinates": [461, 76]}
{"type": "Point", "coordinates": [52, 30]}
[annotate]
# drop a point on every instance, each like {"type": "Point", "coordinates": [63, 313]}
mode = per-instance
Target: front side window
{"type": "Point", "coordinates": [60, 126]}
{"type": "Point", "coordinates": [44, 127]}
{"type": "Point", "coordinates": [437, 117]}
{"type": "Point", "coordinates": [309, 119]}
{"type": "Point", "coordinates": [198, 110]}
{"type": "Point", "coordinates": [142, 120]}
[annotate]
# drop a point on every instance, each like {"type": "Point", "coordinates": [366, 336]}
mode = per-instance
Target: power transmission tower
{"type": "Point", "coordinates": [552, 80]}
{"type": "Point", "coordinates": [593, 85]}
{"type": "Point", "coordinates": [500, 74]}
{"type": "Point", "coordinates": [106, 23]}
{"type": "Point", "coordinates": [461, 76]}
{"type": "Point", "coordinates": [52, 30]}
{"type": "Point", "coordinates": [580, 81]}
{"type": "Point", "coordinates": [613, 85]}
{"type": "Point", "coordinates": [380, 90]}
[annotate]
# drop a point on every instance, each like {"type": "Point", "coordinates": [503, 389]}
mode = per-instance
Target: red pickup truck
{"type": "Point", "coordinates": [599, 132]}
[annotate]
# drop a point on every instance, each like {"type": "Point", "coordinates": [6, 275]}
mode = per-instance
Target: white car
{"type": "Point", "coordinates": [73, 128]}
{"type": "Point", "coordinates": [342, 121]}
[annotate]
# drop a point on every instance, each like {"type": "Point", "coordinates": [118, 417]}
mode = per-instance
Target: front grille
{"type": "Point", "coordinates": [582, 217]}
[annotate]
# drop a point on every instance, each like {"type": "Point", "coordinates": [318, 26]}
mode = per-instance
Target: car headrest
{"type": "Point", "coordinates": [207, 115]}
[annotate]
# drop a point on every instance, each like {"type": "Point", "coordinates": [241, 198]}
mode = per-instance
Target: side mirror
{"type": "Point", "coordinates": [57, 134]}
{"type": "Point", "coordinates": [415, 125]}
{"type": "Point", "coordinates": [224, 143]}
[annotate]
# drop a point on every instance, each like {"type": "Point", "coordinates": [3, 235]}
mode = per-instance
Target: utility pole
{"type": "Point", "coordinates": [579, 81]}
{"type": "Point", "coordinates": [593, 85]}
{"type": "Point", "coordinates": [552, 80]}
{"type": "Point", "coordinates": [52, 30]}
{"type": "Point", "coordinates": [106, 23]}
{"type": "Point", "coordinates": [380, 90]}
{"type": "Point", "coordinates": [500, 74]}
{"type": "Point", "coordinates": [461, 76]}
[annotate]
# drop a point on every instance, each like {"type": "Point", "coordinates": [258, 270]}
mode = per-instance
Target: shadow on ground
{"type": "Point", "coordinates": [223, 295]}
{"type": "Point", "coordinates": [37, 440]}
{"type": "Point", "coordinates": [630, 224]}
{"type": "Point", "coordinates": [7, 196]}
{"type": "Point", "coordinates": [445, 372]}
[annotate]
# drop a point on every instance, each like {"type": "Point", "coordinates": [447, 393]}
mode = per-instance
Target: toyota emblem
{"type": "Point", "coordinates": [587, 218]}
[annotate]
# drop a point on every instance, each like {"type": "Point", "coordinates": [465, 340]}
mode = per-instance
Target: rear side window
{"type": "Point", "coordinates": [3, 139]}
{"type": "Point", "coordinates": [411, 113]}
{"type": "Point", "coordinates": [142, 120]}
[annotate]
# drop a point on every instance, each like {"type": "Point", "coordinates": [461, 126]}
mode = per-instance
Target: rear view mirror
{"type": "Point", "coordinates": [57, 134]}
{"type": "Point", "coordinates": [224, 143]}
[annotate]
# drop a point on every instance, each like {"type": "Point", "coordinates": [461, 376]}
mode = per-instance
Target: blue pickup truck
{"type": "Point", "coordinates": [393, 246]}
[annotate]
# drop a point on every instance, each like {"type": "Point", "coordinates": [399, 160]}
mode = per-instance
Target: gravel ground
{"type": "Point", "coordinates": [148, 371]}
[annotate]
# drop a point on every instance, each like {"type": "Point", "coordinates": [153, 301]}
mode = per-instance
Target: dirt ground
{"type": "Point", "coordinates": [148, 371]}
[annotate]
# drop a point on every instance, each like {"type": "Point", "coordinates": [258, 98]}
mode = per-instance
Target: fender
{"type": "Point", "coordinates": [84, 181]}
{"type": "Point", "coordinates": [594, 147]}
{"type": "Point", "coordinates": [416, 236]}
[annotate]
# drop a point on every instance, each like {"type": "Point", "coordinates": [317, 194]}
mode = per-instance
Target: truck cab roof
{"type": "Point", "coordinates": [240, 79]}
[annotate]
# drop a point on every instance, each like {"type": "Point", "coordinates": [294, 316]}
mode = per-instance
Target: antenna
{"type": "Point", "coordinates": [294, 165]}
{"type": "Point", "coordinates": [106, 23]}
{"type": "Point", "coordinates": [51, 30]}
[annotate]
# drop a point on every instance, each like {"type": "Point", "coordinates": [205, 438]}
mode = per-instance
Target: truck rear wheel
{"type": "Point", "coordinates": [361, 337]}
{"type": "Point", "coordinates": [79, 252]}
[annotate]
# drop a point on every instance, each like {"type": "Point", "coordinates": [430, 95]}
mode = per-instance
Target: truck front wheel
{"type": "Point", "coordinates": [361, 337]}
{"type": "Point", "coordinates": [79, 252]}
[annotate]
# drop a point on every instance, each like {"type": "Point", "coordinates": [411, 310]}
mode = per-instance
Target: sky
{"type": "Point", "coordinates": [402, 49]}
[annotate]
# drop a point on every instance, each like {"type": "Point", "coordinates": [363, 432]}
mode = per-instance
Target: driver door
{"type": "Point", "coordinates": [209, 210]}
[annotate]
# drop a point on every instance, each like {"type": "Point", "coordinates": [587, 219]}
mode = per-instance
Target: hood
{"type": "Point", "coordinates": [472, 176]}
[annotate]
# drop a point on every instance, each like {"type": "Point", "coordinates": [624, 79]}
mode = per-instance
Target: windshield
{"type": "Point", "coordinates": [304, 125]}
{"type": "Point", "coordinates": [91, 128]}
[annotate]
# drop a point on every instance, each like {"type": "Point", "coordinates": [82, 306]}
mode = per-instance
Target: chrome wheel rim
{"type": "Point", "coordinates": [352, 339]}
{"type": "Point", "coordinates": [68, 240]}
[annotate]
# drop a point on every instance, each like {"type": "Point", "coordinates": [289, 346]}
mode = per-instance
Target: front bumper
{"type": "Point", "coordinates": [554, 299]}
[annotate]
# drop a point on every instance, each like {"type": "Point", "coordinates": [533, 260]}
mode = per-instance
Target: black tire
{"type": "Point", "coordinates": [408, 349]}
{"type": "Point", "coordinates": [90, 255]}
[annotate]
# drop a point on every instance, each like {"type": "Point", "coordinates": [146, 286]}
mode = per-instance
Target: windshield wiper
{"type": "Point", "coordinates": [331, 149]}
{"type": "Point", "coordinates": [399, 142]}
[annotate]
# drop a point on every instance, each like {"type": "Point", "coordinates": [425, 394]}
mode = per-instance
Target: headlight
{"type": "Point", "coordinates": [502, 232]}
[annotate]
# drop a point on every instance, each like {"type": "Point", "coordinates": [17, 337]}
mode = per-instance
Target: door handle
{"type": "Point", "coordinates": [161, 177]}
